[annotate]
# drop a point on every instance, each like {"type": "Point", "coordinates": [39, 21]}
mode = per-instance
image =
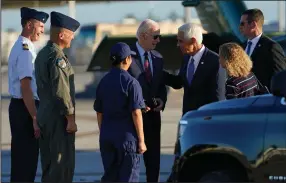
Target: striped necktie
{"type": "Point", "coordinates": [147, 68]}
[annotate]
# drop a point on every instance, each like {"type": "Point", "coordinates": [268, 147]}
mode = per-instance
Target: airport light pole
{"type": "Point", "coordinates": [72, 9]}
{"type": "Point", "coordinates": [281, 15]}
{"type": "Point", "coordinates": [187, 8]}
{"type": "Point", "coordinates": [187, 14]}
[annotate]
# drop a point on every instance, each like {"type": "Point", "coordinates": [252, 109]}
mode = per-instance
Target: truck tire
{"type": "Point", "coordinates": [220, 176]}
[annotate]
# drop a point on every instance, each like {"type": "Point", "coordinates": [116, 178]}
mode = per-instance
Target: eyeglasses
{"type": "Point", "coordinates": [157, 36]}
{"type": "Point", "coordinates": [243, 23]}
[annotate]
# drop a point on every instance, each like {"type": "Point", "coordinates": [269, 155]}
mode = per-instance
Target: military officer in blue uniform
{"type": "Point", "coordinates": [56, 114]}
{"type": "Point", "coordinates": [118, 104]}
{"type": "Point", "coordinates": [24, 99]}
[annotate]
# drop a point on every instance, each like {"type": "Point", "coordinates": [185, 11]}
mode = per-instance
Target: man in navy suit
{"type": "Point", "coordinates": [267, 55]}
{"type": "Point", "coordinates": [147, 68]}
{"type": "Point", "coordinates": [200, 74]}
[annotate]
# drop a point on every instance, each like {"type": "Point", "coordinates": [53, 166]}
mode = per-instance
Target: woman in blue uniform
{"type": "Point", "coordinates": [118, 105]}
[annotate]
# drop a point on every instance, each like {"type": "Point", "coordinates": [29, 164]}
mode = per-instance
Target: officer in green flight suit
{"type": "Point", "coordinates": [56, 113]}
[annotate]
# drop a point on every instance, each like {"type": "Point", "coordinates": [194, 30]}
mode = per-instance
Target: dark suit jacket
{"type": "Point", "coordinates": [268, 59]}
{"type": "Point", "coordinates": [157, 88]}
{"type": "Point", "coordinates": [208, 83]}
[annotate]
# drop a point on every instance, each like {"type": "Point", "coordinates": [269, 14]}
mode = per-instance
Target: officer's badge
{"type": "Point", "coordinates": [61, 63]}
{"type": "Point", "coordinates": [25, 46]}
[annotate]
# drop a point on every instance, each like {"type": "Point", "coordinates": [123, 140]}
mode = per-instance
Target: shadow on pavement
{"type": "Point", "coordinates": [88, 166]}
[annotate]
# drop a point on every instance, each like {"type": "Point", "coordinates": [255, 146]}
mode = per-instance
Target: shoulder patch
{"type": "Point", "coordinates": [61, 63]}
{"type": "Point", "coordinates": [25, 46]}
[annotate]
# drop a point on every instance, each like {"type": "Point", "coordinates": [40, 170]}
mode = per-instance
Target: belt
{"type": "Point", "coordinates": [17, 97]}
{"type": "Point", "coordinates": [21, 99]}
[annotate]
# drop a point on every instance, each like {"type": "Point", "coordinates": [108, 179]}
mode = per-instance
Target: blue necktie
{"type": "Point", "coordinates": [248, 48]}
{"type": "Point", "coordinates": [191, 70]}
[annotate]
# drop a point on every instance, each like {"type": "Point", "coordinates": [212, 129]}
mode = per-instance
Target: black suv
{"type": "Point", "coordinates": [234, 140]}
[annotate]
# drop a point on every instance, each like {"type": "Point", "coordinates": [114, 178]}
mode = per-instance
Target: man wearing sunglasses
{"type": "Point", "coordinates": [147, 67]}
{"type": "Point", "coordinates": [267, 55]}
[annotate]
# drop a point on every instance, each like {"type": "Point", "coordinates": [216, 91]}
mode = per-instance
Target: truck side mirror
{"type": "Point", "coordinates": [278, 84]}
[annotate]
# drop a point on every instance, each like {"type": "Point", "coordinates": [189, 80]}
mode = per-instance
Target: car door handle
{"type": "Point", "coordinates": [207, 118]}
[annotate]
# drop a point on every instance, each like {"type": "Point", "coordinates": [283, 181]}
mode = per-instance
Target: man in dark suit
{"type": "Point", "coordinates": [200, 74]}
{"type": "Point", "coordinates": [267, 55]}
{"type": "Point", "coordinates": [147, 67]}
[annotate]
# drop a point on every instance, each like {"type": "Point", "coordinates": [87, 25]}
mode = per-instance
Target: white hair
{"type": "Point", "coordinates": [192, 31]}
{"type": "Point", "coordinates": [146, 26]}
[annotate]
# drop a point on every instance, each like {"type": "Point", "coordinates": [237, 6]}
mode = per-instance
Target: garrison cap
{"type": "Point", "coordinates": [64, 21]}
{"type": "Point", "coordinates": [120, 51]}
{"type": "Point", "coordinates": [28, 13]}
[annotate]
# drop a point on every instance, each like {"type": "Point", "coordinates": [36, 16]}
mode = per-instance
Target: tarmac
{"type": "Point", "coordinates": [88, 160]}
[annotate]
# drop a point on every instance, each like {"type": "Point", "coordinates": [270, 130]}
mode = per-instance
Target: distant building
{"type": "Point", "coordinates": [8, 39]}
{"type": "Point", "coordinates": [271, 26]}
{"type": "Point", "coordinates": [129, 19]}
{"type": "Point", "coordinates": [90, 36]}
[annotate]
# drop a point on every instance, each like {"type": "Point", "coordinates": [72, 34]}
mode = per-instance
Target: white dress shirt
{"type": "Point", "coordinates": [254, 43]}
{"type": "Point", "coordinates": [141, 53]}
{"type": "Point", "coordinates": [21, 65]}
{"type": "Point", "coordinates": [197, 57]}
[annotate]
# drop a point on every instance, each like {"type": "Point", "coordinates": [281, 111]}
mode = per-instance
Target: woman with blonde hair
{"type": "Point", "coordinates": [241, 82]}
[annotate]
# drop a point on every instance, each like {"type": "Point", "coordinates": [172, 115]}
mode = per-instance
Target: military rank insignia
{"type": "Point", "coordinates": [61, 63]}
{"type": "Point", "coordinates": [25, 46]}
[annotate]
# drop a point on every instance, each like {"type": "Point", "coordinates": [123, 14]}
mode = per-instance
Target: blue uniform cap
{"type": "Point", "coordinates": [28, 13]}
{"type": "Point", "coordinates": [120, 51]}
{"type": "Point", "coordinates": [64, 21]}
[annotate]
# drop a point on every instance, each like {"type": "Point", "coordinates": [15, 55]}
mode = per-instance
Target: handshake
{"type": "Point", "coordinates": [155, 104]}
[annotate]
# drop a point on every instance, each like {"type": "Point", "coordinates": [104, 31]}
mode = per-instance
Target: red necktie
{"type": "Point", "coordinates": [147, 68]}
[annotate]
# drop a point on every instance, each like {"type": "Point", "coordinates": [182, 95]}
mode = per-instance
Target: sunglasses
{"type": "Point", "coordinates": [157, 36]}
{"type": "Point", "coordinates": [243, 23]}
